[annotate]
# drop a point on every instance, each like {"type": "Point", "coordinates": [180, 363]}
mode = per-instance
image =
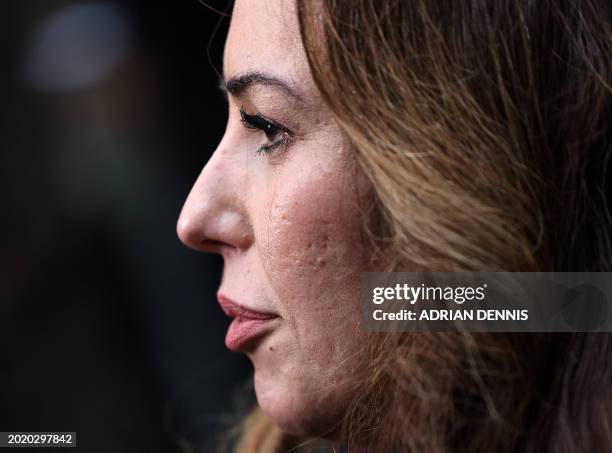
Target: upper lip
{"type": "Point", "coordinates": [235, 310]}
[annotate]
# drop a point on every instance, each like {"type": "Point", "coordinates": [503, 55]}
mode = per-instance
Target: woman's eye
{"type": "Point", "coordinates": [275, 134]}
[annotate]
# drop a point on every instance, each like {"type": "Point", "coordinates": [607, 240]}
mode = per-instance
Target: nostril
{"type": "Point", "coordinates": [210, 245]}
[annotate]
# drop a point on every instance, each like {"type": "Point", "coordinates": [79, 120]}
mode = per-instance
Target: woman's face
{"type": "Point", "coordinates": [280, 200]}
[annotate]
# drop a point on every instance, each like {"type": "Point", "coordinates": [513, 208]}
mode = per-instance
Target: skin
{"type": "Point", "coordinates": [287, 224]}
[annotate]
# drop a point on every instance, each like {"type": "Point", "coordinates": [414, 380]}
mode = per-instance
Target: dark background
{"type": "Point", "coordinates": [109, 326]}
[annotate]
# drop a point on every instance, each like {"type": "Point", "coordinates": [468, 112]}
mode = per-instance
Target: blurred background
{"type": "Point", "coordinates": [109, 325]}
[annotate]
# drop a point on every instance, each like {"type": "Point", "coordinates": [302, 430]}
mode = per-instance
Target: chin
{"type": "Point", "coordinates": [295, 409]}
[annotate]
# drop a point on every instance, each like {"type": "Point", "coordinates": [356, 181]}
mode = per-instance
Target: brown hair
{"type": "Point", "coordinates": [485, 129]}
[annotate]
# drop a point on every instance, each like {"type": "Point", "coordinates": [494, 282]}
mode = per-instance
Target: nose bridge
{"type": "Point", "coordinates": [214, 210]}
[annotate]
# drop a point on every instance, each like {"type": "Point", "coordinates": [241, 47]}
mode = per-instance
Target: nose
{"type": "Point", "coordinates": [214, 217]}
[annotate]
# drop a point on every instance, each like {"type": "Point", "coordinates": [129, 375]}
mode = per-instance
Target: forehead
{"type": "Point", "coordinates": [264, 36]}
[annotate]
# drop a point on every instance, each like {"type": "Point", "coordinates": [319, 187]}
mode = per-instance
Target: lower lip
{"type": "Point", "coordinates": [243, 331]}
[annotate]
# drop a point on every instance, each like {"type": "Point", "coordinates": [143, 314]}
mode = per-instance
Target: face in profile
{"type": "Point", "coordinates": [280, 200]}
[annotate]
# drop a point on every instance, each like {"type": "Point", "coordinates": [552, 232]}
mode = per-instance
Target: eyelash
{"type": "Point", "coordinates": [258, 122]}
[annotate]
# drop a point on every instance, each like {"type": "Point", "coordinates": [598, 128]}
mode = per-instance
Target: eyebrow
{"type": "Point", "coordinates": [240, 83]}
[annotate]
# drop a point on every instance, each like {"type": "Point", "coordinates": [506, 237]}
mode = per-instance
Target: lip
{"type": "Point", "coordinates": [247, 326]}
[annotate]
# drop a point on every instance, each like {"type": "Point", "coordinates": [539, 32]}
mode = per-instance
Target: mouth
{"type": "Point", "coordinates": [248, 325]}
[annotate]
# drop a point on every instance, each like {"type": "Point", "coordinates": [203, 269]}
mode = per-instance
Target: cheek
{"type": "Point", "coordinates": [311, 251]}
{"type": "Point", "coordinates": [305, 238]}
{"type": "Point", "coordinates": [308, 239]}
